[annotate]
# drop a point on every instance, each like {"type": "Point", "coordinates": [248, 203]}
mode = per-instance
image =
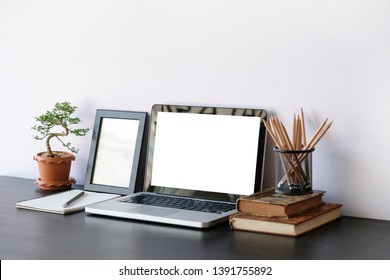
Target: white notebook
{"type": "Point", "coordinates": [54, 203]}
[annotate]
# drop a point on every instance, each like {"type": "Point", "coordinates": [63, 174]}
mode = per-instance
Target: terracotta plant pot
{"type": "Point", "coordinates": [54, 172]}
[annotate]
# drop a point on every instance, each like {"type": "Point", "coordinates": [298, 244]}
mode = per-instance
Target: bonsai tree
{"type": "Point", "coordinates": [59, 116]}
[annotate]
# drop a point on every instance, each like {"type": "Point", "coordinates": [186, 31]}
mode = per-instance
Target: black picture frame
{"type": "Point", "coordinates": [116, 151]}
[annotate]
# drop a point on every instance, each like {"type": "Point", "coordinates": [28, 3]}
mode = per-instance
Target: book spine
{"type": "Point", "coordinates": [258, 208]}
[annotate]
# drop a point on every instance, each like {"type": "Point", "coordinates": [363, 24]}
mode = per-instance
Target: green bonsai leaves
{"type": "Point", "coordinates": [60, 116]}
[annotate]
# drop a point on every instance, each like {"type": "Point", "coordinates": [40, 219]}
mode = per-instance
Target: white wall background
{"type": "Point", "coordinates": [332, 58]}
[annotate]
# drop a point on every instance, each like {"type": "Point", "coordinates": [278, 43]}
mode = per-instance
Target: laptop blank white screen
{"type": "Point", "coordinates": [213, 153]}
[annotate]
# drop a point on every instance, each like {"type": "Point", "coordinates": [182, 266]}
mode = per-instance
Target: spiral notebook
{"type": "Point", "coordinates": [54, 203]}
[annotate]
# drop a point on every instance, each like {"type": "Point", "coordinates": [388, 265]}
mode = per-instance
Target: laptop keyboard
{"type": "Point", "coordinates": [181, 203]}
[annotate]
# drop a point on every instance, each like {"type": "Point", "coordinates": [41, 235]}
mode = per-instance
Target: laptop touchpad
{"type": "Point", "coordinates": [162, 212]}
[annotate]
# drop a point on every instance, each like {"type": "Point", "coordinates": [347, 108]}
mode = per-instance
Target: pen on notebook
{"type": "Point", "coordinates": [77, 196]}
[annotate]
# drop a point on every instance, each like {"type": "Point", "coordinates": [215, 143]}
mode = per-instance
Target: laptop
{"type": "Point", "coordinates": [200, 160]}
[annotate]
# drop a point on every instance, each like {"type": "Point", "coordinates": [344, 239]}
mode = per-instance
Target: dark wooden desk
{"type": "Point", "coordinates": [26, 234]}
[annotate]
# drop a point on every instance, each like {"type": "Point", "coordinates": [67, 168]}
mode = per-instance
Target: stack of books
{"type": "Point", "coordinates": [289, 215]}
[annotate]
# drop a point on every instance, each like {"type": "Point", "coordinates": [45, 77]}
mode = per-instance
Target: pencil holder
{"type": "Point", "coordinates": [293, 171]}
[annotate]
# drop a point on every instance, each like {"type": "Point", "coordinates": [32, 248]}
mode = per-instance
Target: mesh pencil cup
{"type": "Point", "coordinates": [293, 171]}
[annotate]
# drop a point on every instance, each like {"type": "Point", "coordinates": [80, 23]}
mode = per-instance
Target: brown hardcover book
{"type": "Point", "coordinates": [269, 203]}
{"type": "Point", "coordinates": [295, 226]}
